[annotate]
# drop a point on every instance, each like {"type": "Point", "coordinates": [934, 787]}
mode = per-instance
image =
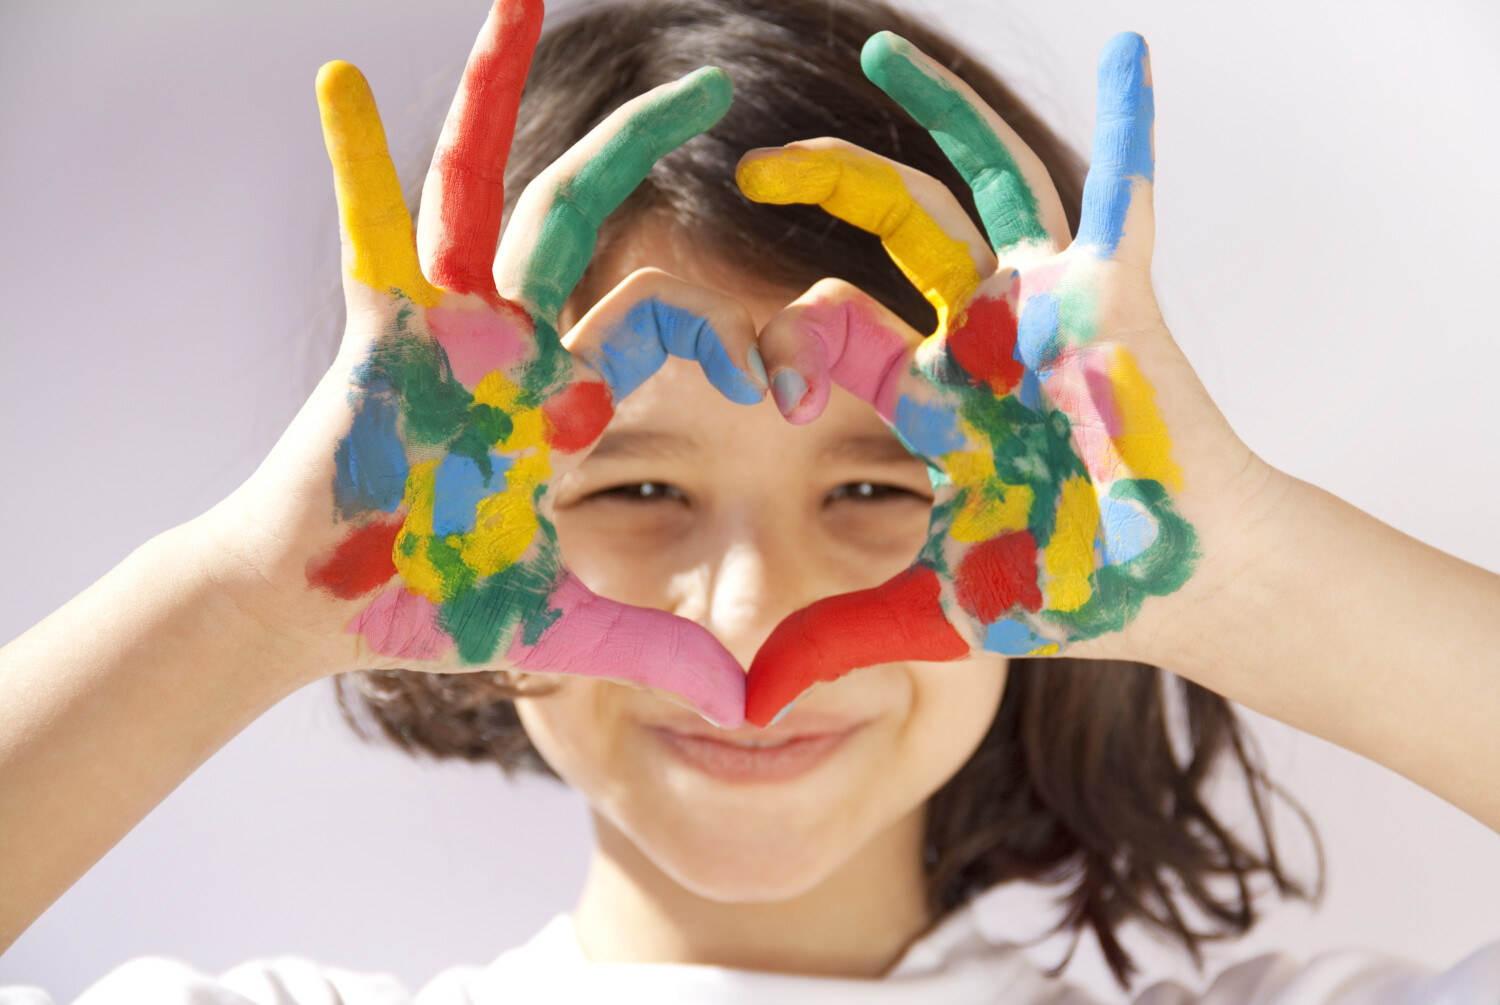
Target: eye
{"type": "Point", "coordinates": [642, 492]}
{"type": "Point", "coordinates": [870, 492]}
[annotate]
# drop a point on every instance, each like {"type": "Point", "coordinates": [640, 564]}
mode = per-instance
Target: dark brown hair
{"type": "Point", "coordinates": [1078, 782]}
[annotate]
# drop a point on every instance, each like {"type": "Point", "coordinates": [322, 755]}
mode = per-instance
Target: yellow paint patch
{"type": "Point", "coordinates": [1069, 555]}
{"type": "Point", "coordinates": [505, 523]}
{"type": "Point", "coordinates": [382, 248]}
{"type": "Point", "coordinates": [1144, 444]}
{"type": "Point", "coordinates": [985, 515]}
{"type": "Point", "coordinates": [864, 190]}
{"type": "Point", "coordinates": [417, 569]}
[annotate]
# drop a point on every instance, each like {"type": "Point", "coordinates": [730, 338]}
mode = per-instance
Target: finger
{"type": "Point", "coordinates": [651, 315]}
{"type": "Point", "coordinates": [835, 333]}
{"type": "Point", "coordinates": [463, 198]}
{"type": "Point", "coordinates": [1117, 219]}
{"type": "Point", "coordinates": [556, 221]}
{"type": "Point", "coordinates": [602, 638]}
{"type": "Point", "coordinates": [379, 250]}
{"type": "Point", "coordinates": [872, 194]}
{"type": "Point", "coordinates": [897, 621]}
{"type": "Point", "coordinates": [1014, 194]}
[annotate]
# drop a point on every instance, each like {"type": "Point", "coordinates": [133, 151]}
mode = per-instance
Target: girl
{"type": "Point", "coordinates": [831, 842]}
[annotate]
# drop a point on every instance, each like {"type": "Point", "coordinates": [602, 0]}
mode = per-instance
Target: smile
{"type": "Point", "coordinates": [750, 760]}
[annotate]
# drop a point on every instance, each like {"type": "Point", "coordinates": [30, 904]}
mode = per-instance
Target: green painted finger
{"type": "Point", "coordinates": [1006, 203]}
{"type": "Point", "coordinates": [596, 175]}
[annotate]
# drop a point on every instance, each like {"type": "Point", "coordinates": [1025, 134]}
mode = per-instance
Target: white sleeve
{"type": "Point", "coordinates": [1344, 978]}
{"type": "Point", "coordinates": [286, 981]}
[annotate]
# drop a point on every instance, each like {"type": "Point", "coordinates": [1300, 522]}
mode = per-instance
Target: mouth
{"type": "Point", "coordinates": [747, 757]}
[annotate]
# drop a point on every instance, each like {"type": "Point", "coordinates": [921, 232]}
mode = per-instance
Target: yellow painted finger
{"type": "Point", "coordinates": [864, 190]}
{"type": "Point", "coordinates": [381, 249]}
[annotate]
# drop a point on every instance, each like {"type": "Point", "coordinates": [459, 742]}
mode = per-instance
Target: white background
{"type": "Point", "coordinates": [1328, 253]}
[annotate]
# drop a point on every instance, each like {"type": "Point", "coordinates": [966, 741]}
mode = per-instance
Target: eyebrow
{"type": "Point", "coordinates": [633, 443]}
{"type": "Point", "coordinates": [867, 447]}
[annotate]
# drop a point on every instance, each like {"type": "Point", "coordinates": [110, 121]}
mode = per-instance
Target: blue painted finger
{"type": "Point", "coordinates": [1122, 142]}
{"type": "Point", "coordinates": [636, 346]}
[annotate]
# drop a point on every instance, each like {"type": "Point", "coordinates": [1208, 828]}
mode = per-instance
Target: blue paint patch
{"type": "Point", "coordinates": [1122, 142]}
{"type": "Point", "coordinates": [1011, 638]}
{"type": "Point", "coordinates": [370, 461]}
{"type": "Point", "coordinates": [458, 489]}
{"type": "Point", "coordinates": [637, 346]}
{"type": "Point", "coordinates": [1128, 530]}
{"type": "Point", "coordinates": [928, 430]}
{"type": "Point", "coordinates": [1030, 391]}
{"type": "Point", "coordinates": [1037, 334]}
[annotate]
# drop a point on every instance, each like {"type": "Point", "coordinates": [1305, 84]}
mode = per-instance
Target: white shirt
{"type": "Point", "coordinates": [952, 965]}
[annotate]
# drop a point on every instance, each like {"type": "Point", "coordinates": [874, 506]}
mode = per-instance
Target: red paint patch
{"type": "Point", "coordinates": [984, 344]}
{"type": "Point", "coordinates": [898, 620]}
{"type": "Point", "coordinates": [576, 417]}
{"type": "Point", "coordinates": [996, 575]}
{"type": "Point", "coordinates": [361, 562]}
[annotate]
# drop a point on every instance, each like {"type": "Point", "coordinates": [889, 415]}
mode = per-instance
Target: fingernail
{"type": "Point", "coordinates": [788, 387]}
{"type": "Point", "coordinates": [758, 366]}
{"type": "Point", "coordinates": [782, 714]}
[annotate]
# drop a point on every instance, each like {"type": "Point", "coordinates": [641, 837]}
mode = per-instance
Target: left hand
{"type": "Point", "coordinates": [1061, 496]}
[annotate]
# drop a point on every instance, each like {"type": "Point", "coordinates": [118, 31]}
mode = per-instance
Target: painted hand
{"type": "Point", "coordinates": [1054, 474]}
{"type": "Point", "coordinates": [462, 403]}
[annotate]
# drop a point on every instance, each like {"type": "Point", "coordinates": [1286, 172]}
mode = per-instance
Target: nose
{"type": "Point", "coordinates": [752, 577]}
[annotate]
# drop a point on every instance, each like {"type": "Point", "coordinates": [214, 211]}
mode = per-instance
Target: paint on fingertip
{"type": "Point", "coordinates": [782, 714]}
{"type": "Point", "coordinates": [635, 347]}
{"type": "Point", "coordinates": [1122, 143]}
{"type": "Point", "coordinates": [758, 366]}
{"type": "Point", "coordinates": [788, 388]}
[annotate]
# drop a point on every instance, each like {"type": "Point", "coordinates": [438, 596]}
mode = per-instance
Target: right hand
{"type": "Point", "coordinates": [422, 539]}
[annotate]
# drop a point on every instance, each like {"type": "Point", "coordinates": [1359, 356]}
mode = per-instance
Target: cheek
{"type": "Point", "coordinates": [953, 706]}
{"type": "Point", "coordinates": [573, 729]}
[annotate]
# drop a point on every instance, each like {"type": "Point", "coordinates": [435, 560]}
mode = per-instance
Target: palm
{"type": "Point", "coordinates": [1053, 473]}
{"type": "Point", "coordinates": [1053, 518]}
{"type": "Point", "coordinates": [462, 401]}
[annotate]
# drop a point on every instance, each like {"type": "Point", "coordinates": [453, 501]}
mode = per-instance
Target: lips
{"type": "Point", "coordinates": [750, 756]}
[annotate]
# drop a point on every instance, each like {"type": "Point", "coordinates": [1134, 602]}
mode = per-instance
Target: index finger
{"type": "Point", "coordinates": [1011, 188]}
{"type": "Point", "coordinates": [463, 198]}
{"type": "Point", "coordinates": [556, 221]}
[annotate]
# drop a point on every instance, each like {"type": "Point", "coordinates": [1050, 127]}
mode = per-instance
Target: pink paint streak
{"type": "Point", "coordinates": [848, 342]}
{"type": "Point", "coordinates": [1078, 382]}
{"type": "Point", "coordinates": [602, 638]}
{"type": "Point", "coordinates": [480, 341]}
{"type": "Point", "coordinates": [404, 625]}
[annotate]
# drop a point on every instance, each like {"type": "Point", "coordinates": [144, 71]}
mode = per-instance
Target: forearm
{"type": "Point", "coordinates": [1343, 627]}
{"type": "Point", "coordinates": [109, 704]}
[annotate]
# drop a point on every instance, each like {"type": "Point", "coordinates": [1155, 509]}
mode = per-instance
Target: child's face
{"type": "Point", "coordinates": [746, 519]}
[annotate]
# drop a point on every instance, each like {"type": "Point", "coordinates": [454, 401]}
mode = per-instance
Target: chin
{"type": "Point", "coordinates": [753, 863]}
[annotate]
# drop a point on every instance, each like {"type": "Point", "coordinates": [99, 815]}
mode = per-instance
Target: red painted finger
{"type": "Point", "coordinates": [898, 620]}
{"type": "Point", "coordinates": [603, 638]}
{"type": "Point", "coordinates": [464, 195]}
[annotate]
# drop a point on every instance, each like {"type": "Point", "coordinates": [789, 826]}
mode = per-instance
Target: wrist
{"type": "Point", "coordinates": [225, 602]}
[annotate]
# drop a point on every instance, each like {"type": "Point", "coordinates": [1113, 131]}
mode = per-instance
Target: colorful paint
{"type": "Point", "coordinates": [1051, 464]}
{"type": "Point", "coordinates": [465, 400]}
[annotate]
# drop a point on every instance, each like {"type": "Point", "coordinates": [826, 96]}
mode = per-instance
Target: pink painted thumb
{"type": "Point", "coordinates": [595, 637]}
{"type": "Point", "coordinates": [846, 341]}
